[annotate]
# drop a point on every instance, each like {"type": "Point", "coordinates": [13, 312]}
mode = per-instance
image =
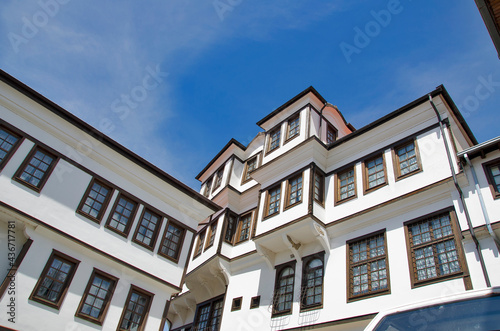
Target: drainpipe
{"type": "Point", "coordinates": [321, 116]}
{"type": "Point", "coordinates": [481, 201]}
{"type": "Point", "coordinates": [462, 199]}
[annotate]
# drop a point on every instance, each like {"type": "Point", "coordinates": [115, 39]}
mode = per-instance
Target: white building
{"type": "Point", "coordinates": [323, 225]}
{"type": "Point", "coordinates": [313, 225]}
{"type": "Point", "coordinates": [92, 236]}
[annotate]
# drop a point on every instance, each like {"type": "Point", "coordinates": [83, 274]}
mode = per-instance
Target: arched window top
{"type": "Point", "coordinates": [314, 264]}
{"type": "Point", "coordinates": [288, 271]}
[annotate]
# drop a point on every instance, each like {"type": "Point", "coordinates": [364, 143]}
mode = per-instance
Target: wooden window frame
{"type": "Point", "coordinates": [107, 299]}
{"type": "Point", "coordinates": [289, 191]}
{"type": "Point", "coordinates": [144, 316]}
{"type": "Point", "coordinates": [104, 204]}
{"type": "Point", "coordinates": [208, 187]}
{"type": "Point", "coordinates": [279, 270]}
{"type": "Point", "coordinates": [211, 304]}
{"type": "Point", "coordinates": [455, 236]}
{"type": "Point", "coordinates": [277, 130]}
{"type": "Point", "coordinates": [288, 127]}
{"type": "Point", "coordinates": [268, 201]}
{"type": "Point", "coordinates": [246, 172]}
{"type": "Point", "coordinates": [331, 128]}
{"type": "Point", "coordinates": [396, 163]}
{"type": "Point", "coordinates": [65, 286]}
{"type": "Point", "coordinates": [231, 224]}
{"type": "Point", "coordinates": [366, 176]}
{"type": "Point", "coordinates": [14, 146]}
{"type": "Point", "coordinates": [131, 219]}
{"type": "Point", "coordinates": [338, 187]}
{"type": "Point", "coordinates": [156, 230]}
{"type": "Point", "coordinates": [46, 173]}
{"type": "Point", "coordinates": [303, 297]}
{"type": "Point", "coordinates": [179, 244]}
{"type": "Point", "coordinates": [368, 261]}
{"type": "Point", "coordinates": [200, 243]}
{"type": "Point", "coordinates": [236, 304]}
{"type": "Point", "coordinates": [211, 232]}
{"type": "Point", "coordinates": [239, 228]}
{"type": "Point", "coordinates": [495, 192]}
{"type": "Point", "coordinates": [219, 174]}
{"type": "Point", "coordinates": [255, 302]}
{"type": "Point", "coordinates": [321, 189]}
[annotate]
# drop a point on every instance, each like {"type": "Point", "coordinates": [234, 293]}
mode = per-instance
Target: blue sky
{"type": "Point", "coordinates": [174, 81]}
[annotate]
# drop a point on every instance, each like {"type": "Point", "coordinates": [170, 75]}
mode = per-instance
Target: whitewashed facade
{"type": "Point", "coordinates": [323, 225]}
{"type": "Point", "coordinates": [92, 236]}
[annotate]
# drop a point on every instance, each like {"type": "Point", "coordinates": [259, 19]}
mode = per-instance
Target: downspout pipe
{"type": "Point", "coordinates": [481, 201]}
{"type": "Point", "coordinates": [321, 117]}
{"type": "Point", "coordinates": [460, 193]}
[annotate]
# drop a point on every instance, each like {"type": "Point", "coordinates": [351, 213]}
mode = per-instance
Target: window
{"type": "Point", "coordinates": [135, 311]}
{"type": "Point", "coordinates": [346, 185]}
{"type": "Point", "coordinates": [95, 200]}
{"type": "Point", "coordinates": [312, 282]}
{"type": "Point", "coordinates": [331, 134]}
{"type": "Point", "coordinates": [255, 302]}
{"type": "Point", "coordinates": [36, 168]}
{"type": "Point", "coordinates": [8, 144]}
{"type": "Point", "coordinates": [218, 178]}
{"type": "Point", "coordinates": [374, 173]}
{"type": "Point", "coordinates": [406, 159]}
{"type": "Point", "coordinates": [230, 227]}
{"type": "Point", "coordinates": [273, 201]}
{"type": "Point", "coordinates": [283, 290]}
{"type": "Point", "coordinates": [97, 296]}
{"type": "Point", "coordinates": [199, 244]}
{"type": "Point", "coordinates": [208, 187]}
{"type": "Point", "coordinates": [54, 280]}
{"type": "Point", "coordinates": [212, 230]}
{"type": "Point", "coordinates": [434, 248]}
{"type": "Point", "coordinates": [368, 267]}
{"type": "Point", "coordinates": [319, 187]}
{"type": "Point", "coordinates": [492, 170]}
{"type": "Point", "coordinates": [121, 218]}
{"type": "Point", "coordinates": [274, 139]}
{"type": "Point", "coordinates": [293, 127]}
{"type": "Point", "coordinates": [236, 305]}
{"type": "Point", "coordinates": [250, 166]}
{"type": "Point", "coordinates": [171, 243]}
{"type": "Point", "coordinates": [294, 191]}
{"type": "Point", "coordinates": [208, 315]}
{"type": "Point", "coordinates": [147, 229]}
{"type": "Point", "coordinates": [244, 225]}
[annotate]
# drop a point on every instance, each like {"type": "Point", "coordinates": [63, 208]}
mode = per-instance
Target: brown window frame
{"type": "Point", "coordinates": [46, 174]}
{"type": "Point", "coordinates": [368, 261]}
{"type": "Point", "coordinates": [65, 285]}
{"type": "Point", "coordinates": [208, 187]}
{"type": "Point", "coordinates": [268, 201]}
{"type": "Point", "coordinates": [240, 228]}
{"type": "Point", "coordinates": [218, 178]}
{"type": "Point", "coordinates": [247, 172]}
{"type": "Point", "coordinates": [131, 218]}
{"type": "Point", "coordinates": [338, 188]}
{"type": "Point", "coordinates": [236, 304]}
{"type": "Point", "coordinates": [231, 224]}
{"type": "Point", "coordinates": [494, 188]}
{"type": "Point", "coordinates": [155, 231]}
{"type": "Point", "coordinates": [330, 128]}
{"type": "Point", "coordinates": [169, 240]}
{"type": "Point", "coordinates": [396, 163]}
{"type": "Point", "coordinates": [255, 302]}
{"type": "Point", "coordinates": [304, 306]}
{"type": "Point", "coordinates": [279, 271]}
{"type": "Point", "coordinates": [104, 204]}
{"type": "Point", "coordinates": [211, 232]}
{"type": "Point", "coordinates": [106, 300]}
{"type": "Point", "coordinates": [200, 243]}
{"type": "Point", "coordinates": [270, 139]}
{"type": "Point", "coordinates": [298, 191]}
{"type": "Point", "coordinates": [320, 196]}
{"type": "Point", "coordinates": [289, 128]}
{"type": "Point", "coordinates": [215, 306]}
{"type": "Point", "coordinates": [454, 236]}
{"type": "Point", "coordinates": [13, 147]}
{"type": "Point", "coordinates": [144, 315]}
{"type": "Point", "coordinates": [366, 175]}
